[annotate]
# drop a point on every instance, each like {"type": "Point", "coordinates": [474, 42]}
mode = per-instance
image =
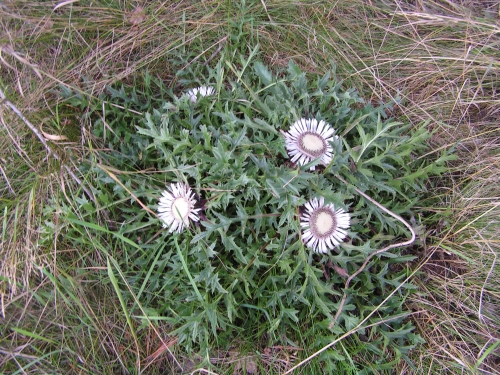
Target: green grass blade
{"type": "Point", "coordinates": [32, 335]}
{"type": "Point", "coordinates": [114, 282]}
{"type": "Point", "coordinates": [101, 229]}
{"type": "Point", "coordinates": [184, 265]}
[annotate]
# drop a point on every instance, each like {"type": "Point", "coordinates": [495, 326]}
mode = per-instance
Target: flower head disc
{"type": "Point", "coordinates": [309, 139]}
{"type": "Point", "coordinates": [176, 207]}
{"type": "Point", "coordinates": [323, 226]}
{"type": "Point", "coordinates": [180, 209]}
{"type": "Point", "coordinates": [202, 91]}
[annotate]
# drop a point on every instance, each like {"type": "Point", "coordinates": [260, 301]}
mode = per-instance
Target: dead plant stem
{"type": "Point", "coordinates": [380, 251]}
{"type": "Point", "coordinates": [34, 129]}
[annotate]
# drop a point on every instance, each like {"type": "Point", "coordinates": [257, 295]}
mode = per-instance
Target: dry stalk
{"type": "Point", "coordinates": [360, 324]}
{"type": "Point", "coordinates": [347, 334]}
{"type": "Point", "coordinates": [4, 100]}
{"type": "Point", "coordinates": [34, 129]}
{"type": "Point", "coordinates": [380, 251]}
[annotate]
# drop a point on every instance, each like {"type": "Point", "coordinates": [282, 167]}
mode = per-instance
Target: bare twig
{"type": "Point", "coordinates": [34, 129]}
{"type": "Point", "coordinates": [8, 103]}
{"type": "Point", "coordinates": [7, 180]}
{"type": "Point", "coordinates": [380, 251]}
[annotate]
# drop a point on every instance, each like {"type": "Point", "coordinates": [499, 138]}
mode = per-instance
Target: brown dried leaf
{"type": "Point", "coordinates": [164, 347]}
{"type": "Point", "coordinates": [52, 137]}
{"type": "Point", "coordinates": [341, 271]}
{"type": "Point", "coordinates": [63, 3]}
{"type": "Point", "coordinates": [251, 367]}
{"type": "Point", "coordinates": [137, 16]}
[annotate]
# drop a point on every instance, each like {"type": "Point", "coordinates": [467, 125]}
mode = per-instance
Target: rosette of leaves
{"type": "Point", "coordinates": [243, 271]}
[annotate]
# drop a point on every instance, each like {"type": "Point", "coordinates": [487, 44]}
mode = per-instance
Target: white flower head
{"type": "Point", "coordinates": [176, 207]}
{"type": "Point", "coordinates": [323, 226]}
{"type": "Point", "coordinates": [309, 139]}
{"type": "Point", "coordinates": [201, 91]}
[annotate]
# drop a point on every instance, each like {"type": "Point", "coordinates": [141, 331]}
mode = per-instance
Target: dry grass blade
{"type": "Point", "coordinates": [461, 280]}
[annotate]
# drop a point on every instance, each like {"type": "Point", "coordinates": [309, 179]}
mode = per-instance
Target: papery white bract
{"type": "Point", "coordinates": [323, 226]}
{"type": "Point", "coordinates": [201, 91]}
{"type": "Point", "coordinates": [309, 139]}
{"type": "Point", "coordinates": [176, 207]}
